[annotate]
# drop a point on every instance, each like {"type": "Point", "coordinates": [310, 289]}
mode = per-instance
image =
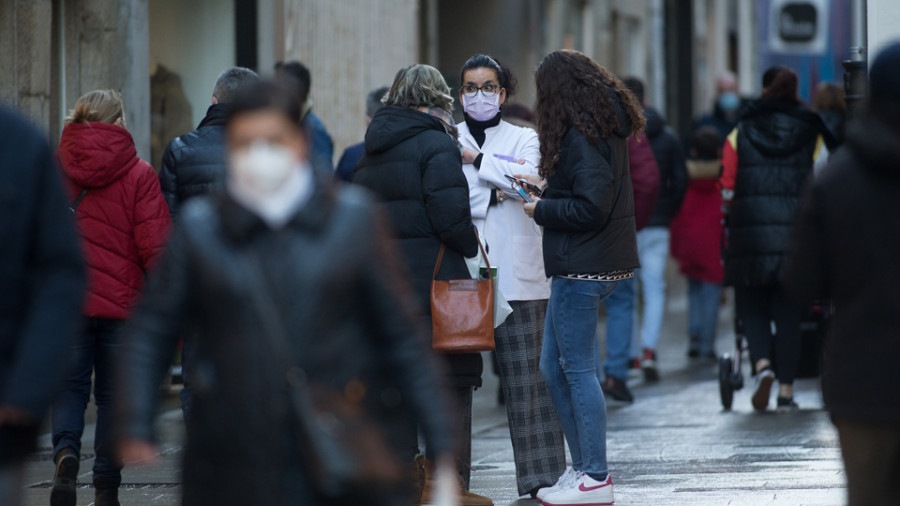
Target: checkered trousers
{"type": "Point", "coordinates": [537, 437]}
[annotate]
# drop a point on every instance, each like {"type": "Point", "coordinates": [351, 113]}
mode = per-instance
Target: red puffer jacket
{"type": "Point", "coordinates": [697, 232]}
{"type": "Point", "coordinates": [123, 219]}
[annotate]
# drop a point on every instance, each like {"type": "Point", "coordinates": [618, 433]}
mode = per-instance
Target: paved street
{"type": "Point", "coordinates": [674, 445]}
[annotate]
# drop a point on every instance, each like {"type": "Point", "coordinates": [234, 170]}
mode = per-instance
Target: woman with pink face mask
{"type": "Point", "coordinates": [494, 150]}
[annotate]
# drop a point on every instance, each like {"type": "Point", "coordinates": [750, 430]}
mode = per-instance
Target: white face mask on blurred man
{"type": "Point", "coordinates": [270, 180]}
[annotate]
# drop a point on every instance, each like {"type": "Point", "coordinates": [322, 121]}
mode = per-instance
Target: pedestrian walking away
{"type": "Point", "coordinates": [845, 249]}
{"type": "Point", "coordinates": [621, 306]}
{"type": "Point", "coordinates": [123, 222]}
{"type": "Point", "coordinates": [42, 275]}
{"type": "Point", "coordinates": [194, 165]}
{"type": "Point", "coordinates": [762, 178]}
{"type": "Point", "coordinates": [494, 151]}
{"type": "Point", "coordinates": [653, 240]}
{"type": "Point", "coordinates": [697, 242]}
{"type": "Point", "coordinates": [584, 116]}
{"type": "Point", "coordinates": [298, 76]}
{"type": "Point", "coordinates": [281, 253]}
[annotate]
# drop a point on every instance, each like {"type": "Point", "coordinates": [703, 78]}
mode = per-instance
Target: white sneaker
{"type": "Point", "coordinates": [585, 492]}
{"type": "Point", "coordinates": [567, 479]}
{"type": "Point", "coordinates": [763, 390]}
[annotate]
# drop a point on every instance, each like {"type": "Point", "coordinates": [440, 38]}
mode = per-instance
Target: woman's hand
{"type": "Point", "coordinates": [533, 179]}
{"type": "Point", "coordinates": [469, 155]}
{"type": "Point", "coordinates": [137, 451]}
{"type": "Point", "coordinates": [446, 477]}
{"type": "Point", "coordinates": [529, 208]}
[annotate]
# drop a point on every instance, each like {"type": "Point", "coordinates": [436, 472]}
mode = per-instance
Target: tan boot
{"type": "Point", "coordinates": [466, 498]}
{"type": "Point", "coordinates": [417, 475]}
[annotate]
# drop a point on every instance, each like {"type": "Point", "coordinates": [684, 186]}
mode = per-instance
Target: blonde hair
{"type": "Point", "coordinates": [419, 86]}
{"type": "Point", "coordinates": [104, 106]}
{"type": "Point", "coordinates": [829, 97]}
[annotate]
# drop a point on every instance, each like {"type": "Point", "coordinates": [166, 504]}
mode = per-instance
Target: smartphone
{"type": "Point", "coordinates": [523, 183]}
{"type": "Point", "coordinates": [524, 194]}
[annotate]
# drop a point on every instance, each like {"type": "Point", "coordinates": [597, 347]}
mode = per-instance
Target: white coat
{"type": "Point", "coordinates": [513, 238]}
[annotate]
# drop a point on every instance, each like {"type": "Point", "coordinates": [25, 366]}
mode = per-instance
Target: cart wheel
{"type": "Point", "coordinates": [726, 375]}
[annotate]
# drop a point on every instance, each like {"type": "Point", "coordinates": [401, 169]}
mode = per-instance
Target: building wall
{"type": "Point", "coordinates": [105, 47]}
{"type": "Point", "coordinates": [883, 25]}
{"type": "Point", "coordinates": [351, 48]}
{"type": "Point", "coordinates": [25, 36]}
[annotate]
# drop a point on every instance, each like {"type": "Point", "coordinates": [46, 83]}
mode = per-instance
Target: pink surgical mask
{"type": "Point", "coordinates": [481, 107]}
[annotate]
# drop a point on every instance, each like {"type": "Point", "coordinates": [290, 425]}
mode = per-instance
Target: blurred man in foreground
{"type": "Point", "coordinates": [294, 291]}
{"type": "Point", "coordinates": [42, 280]}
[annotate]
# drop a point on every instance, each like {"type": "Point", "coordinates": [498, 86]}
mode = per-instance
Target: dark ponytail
{"type": "Point", "coordinates": [507, 80]}
{"type": "Point", "coordinates": [780, 83]}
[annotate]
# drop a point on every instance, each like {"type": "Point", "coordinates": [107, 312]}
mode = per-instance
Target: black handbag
{"type": "Point", "coordinates": [346, 457]}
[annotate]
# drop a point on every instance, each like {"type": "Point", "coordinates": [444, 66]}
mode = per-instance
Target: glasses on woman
{"type": "Point", "coordinates": [470, 90]}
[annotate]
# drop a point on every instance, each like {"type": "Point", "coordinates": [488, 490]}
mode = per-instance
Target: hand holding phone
{"type": "Point", "coordinates": [521, 183]}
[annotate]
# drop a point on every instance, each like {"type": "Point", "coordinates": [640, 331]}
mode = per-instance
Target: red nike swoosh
{"type": "Point", "coordinates": [588, 489]}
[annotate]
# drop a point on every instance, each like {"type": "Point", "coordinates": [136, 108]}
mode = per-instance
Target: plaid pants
{"type": "Point", "coordinates": [537, 437]}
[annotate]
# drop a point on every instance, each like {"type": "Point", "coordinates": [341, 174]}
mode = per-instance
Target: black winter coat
{"type": "Point", "coordinates": [775, 145]}
{"type": "Point", "coordinates": [335, 284]}
{"type": "Point", "coordinates": [42, 280]}
{"type": "Point", "coordinates": [416, 169]}
{"type": "Point", "coordinates": [588, 208]}
{"type": "Point", "coordinates": [846, 248]}
{"type": "Point", "coordinates": [194, 164]}
{"type": "Point", "coordinates": [673, 176]}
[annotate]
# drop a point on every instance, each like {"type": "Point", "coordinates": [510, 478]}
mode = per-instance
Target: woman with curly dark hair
{"type": "Point", "coordinates": [584, 115]}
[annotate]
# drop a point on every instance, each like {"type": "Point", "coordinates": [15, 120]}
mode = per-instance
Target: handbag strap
{"type": "Point", "coordinates": [440, 258]}
{"type": "Point", "coordinates": [74, 205]}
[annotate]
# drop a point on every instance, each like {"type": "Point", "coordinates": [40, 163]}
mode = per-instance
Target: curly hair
{"type": "Point", "coordinates": [419, 86]}
{"type": "Point", "coordinates": [574, 91]}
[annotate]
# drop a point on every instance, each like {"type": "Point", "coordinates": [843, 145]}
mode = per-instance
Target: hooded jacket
{"type": "Point", "coordinates": [776, 144]}
{"type": "Point", "coordinates": [194, 164]}
{"type": "Point", "coordinates": [673, 177]}
{"type": "Point", "coordinates": [122, 219]}
{"type": "Point", "coordinates": [845, 249]}
{"type": "Point", "coordinates": [415, 167]}
{"type": "Point", "coordinates": [588, 207]}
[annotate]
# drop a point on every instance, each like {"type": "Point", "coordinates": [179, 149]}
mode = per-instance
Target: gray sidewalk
{"type": "Point", "coordinates": [673, 445]}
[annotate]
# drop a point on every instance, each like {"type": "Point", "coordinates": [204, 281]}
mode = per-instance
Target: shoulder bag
{"type": "Point", "coordinates": [462, 311]}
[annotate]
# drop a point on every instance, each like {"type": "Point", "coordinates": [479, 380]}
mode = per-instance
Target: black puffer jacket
{"type": "Point", "coordinates": [332, 278]}
{"type": "Point", "coordinates": [416, 169]}
{"type": "Point", "coordinates": [775, 145]}
{"type": "Point", "coordinates": [194, 164]}
{"type": "Point", "coordinates": [673, 177]}
{"type": "Point", "coordinates": [846, 248]}
{"type": "Point", "coordinates": [588, 207]}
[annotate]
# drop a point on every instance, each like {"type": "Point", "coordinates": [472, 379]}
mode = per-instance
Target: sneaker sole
{"type": "Point", "coordinates": [63, 491]}
{"type": "Point", "coordinates": [579, 503]}
{"type": "Point", "coordinates": [761, 396]}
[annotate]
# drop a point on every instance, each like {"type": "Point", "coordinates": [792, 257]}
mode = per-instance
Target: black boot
{"type": "Point", "coordinates": [62, 493]}
{"type": "Point", "coordinates": [106, 491]}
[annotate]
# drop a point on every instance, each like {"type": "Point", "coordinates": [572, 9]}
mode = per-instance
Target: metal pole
{"type": "Point", "coordinates": [855, 81]}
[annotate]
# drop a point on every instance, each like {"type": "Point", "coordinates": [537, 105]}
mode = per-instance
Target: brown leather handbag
{"type": "Point", "coordinates": [462, 312]}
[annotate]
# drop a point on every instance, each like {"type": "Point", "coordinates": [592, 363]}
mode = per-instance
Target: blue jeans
{"type": "Point", "coordinates": [569, 367]}
{"type": "Point", "coordinates": [619, 328]}
{"type": "Point", "coordinates": [704, 300]}
{"type": "Point", "coordinates": [95, 352]}
{"type": "Point", "coordinates": [653, 249]}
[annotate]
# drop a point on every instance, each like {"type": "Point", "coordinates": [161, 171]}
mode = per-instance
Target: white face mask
{"type": "Point", "coordinates": [481, 107]}
{"type": "Point", "coordinates": [269, 180]}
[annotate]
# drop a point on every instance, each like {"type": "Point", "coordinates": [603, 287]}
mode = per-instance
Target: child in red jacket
{"type": "Point", "coordinates": [696, 241]}
{"type": "Point", "coordinates": [123, 222]}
